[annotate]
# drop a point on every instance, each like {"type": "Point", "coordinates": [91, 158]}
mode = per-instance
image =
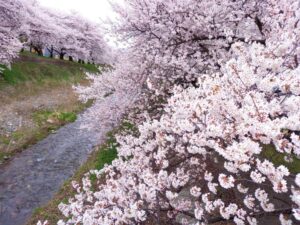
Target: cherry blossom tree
{"type": "Point", "coordinates": [90, 45]}
{"type": "Point", "coordinates": [43, 28]}
{"type": "Point", "coordinates": [180, 40]}
{"type": "Point", "coordinates": [76, 37]}
{"type": "Point", "coordinates": [232, 70]}
{"type": "Point", "coordinates": [11, 16]}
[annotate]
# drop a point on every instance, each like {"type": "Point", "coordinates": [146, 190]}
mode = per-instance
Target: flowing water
{"type": "Point", "coordinates": [35, 175]}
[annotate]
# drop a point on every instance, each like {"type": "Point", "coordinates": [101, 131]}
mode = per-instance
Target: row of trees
{"type": "Point", "coordinates": [27, 24]}
{"type": "Point", "coordinates": [229, 71]}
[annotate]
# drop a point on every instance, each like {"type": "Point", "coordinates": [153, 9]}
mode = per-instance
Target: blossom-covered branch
{"type": "Point", "coordinates": [230, 72]}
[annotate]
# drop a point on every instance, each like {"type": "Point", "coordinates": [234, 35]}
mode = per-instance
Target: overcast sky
{"type": "Point", "coordinates": [92, 9]}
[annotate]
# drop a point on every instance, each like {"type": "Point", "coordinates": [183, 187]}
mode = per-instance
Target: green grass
{"type": "Point", "coordinates": [7, 141]}
{"type": "Point", "coordinates": [43, 117]}
{"type": "Point", "coordinates": [277, 158]}
{"type": "Point", "coordinates": [4, 156]}
{"type": "Point", "coordinates": [33, 68]}
{"type": "Point", "coordinates": [105, 154]}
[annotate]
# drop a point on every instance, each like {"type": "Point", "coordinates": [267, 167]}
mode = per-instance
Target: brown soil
{"type": "Point", "coordinates": [17, 126]}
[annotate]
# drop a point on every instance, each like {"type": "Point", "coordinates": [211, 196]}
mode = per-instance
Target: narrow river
{"type": "Point", "coordinates": [35, 175]}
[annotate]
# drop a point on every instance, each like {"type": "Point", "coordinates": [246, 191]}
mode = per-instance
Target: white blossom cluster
{"type": "Point", "coordinates": [179, 40]}
{"type": "Point", "coordinates": [202, 162]}
{"type": "Point", "coordinates": [218, 118]}
{"type": "Point", "coordinates": [11, 24]}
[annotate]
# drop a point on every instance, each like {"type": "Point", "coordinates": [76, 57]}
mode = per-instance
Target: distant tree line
{"type": "Point", "coordinates": [26, 24]}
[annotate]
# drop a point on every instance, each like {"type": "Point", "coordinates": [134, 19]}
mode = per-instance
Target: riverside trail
{"type": "Point", "coordinates": [33, 177]}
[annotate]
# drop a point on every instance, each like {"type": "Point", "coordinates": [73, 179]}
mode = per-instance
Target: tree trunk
{"type": "Point", "coordinates": [39, 51]}
{"type": "Point", "coordinates": [30, 47]}
{"type": "Point", "coordinates": [51, 51]}
{"type": "Point", "coordinates": [62, 53]}
{"type": "Point", "coordinates": [79, 60]}
{"type": "Point", "coordinates": [71, 58]}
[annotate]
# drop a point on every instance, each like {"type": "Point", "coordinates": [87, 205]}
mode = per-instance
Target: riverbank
{"type": "Point", "coordinates": [102, 155]}
{"type": "Point", "coordinates": [37, 98]}
{"type": "Point", "coordinates": [33, 177]}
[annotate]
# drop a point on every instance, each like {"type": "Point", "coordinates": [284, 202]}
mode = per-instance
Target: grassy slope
{"type": "Point", "coordinates": [32, 76]}
{"type": "Point", "coordinates": [32, 68]}
{"type": "Point", "coordinates": [105, 154]}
